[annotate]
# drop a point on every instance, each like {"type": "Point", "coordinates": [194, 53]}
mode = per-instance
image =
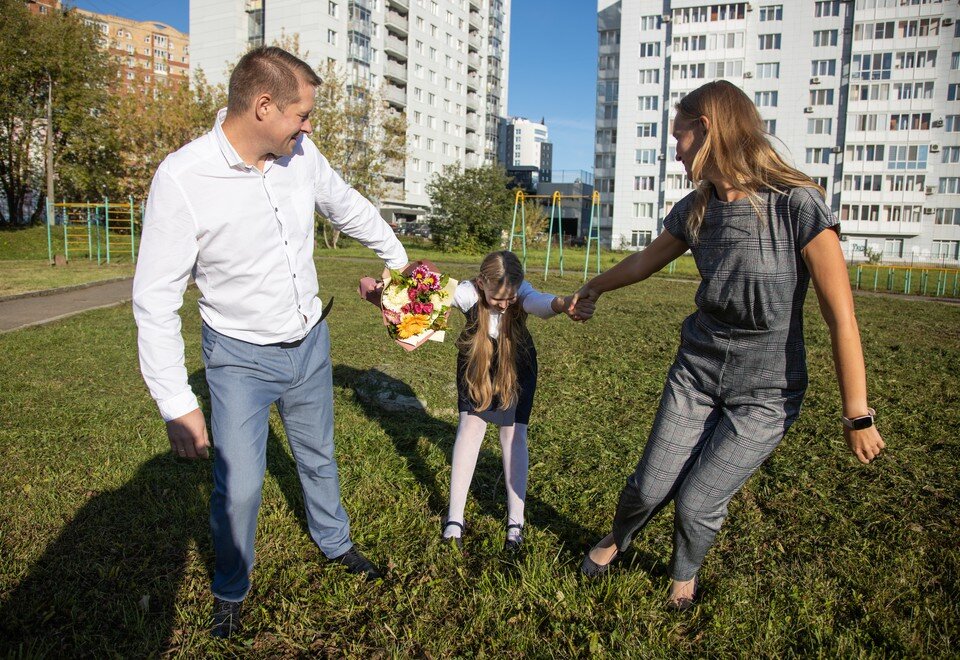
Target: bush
{"type": "Point", "coordinates": [469, 209]}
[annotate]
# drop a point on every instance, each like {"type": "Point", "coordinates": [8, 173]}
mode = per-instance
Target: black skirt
{"type": "Point", "coordinates": [526, 385]}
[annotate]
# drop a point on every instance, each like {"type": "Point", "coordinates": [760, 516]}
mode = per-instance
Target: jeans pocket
{"type": "Point", "coordinates": [208, 344]}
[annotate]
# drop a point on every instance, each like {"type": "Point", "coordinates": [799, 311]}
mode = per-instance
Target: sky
{"type": "Point", "coordinates": [553, 62]}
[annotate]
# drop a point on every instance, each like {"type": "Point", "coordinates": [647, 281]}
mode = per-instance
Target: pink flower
{"type": "Point", "coordinates": [427, 308]}
{"type": "Point", "coordinates": [391, 316]}
{"type": "Point", "coordinates": [405, 309]}
{"type": "Point", "coordinates": [412, 293]}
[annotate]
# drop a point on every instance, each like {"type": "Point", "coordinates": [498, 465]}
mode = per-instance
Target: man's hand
{"type": "Point", "coordinates": [577, 310]}
{"type": "Point", "coordinates": [583, 303]}
{"type": "Point", "coordinates": [188, 435]}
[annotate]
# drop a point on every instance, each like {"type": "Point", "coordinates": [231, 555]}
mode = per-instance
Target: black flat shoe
{"type": "Point", "coordinates": [591, 568]}
{"type": "Point", "coordinates": [512, 545]}
{"type": "Point", "coordinates": [226, 618]}
{"type": "Point", "coordinates": [453, 540]}
{"type": "Point", "coordinates": [357, 564]}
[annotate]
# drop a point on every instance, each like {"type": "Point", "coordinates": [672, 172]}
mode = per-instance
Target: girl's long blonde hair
{"type": "Point", "coordinates": [499, 270]}
{"type": "Point", "coordinates": [735, 149]}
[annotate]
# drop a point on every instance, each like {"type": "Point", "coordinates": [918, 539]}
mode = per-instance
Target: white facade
{"type": "Point", "coordinates": [442, 62]}
{"type": "Point", "coordinates": [521, 142]}
{"type": "Point", "coordinates": [863, 96]}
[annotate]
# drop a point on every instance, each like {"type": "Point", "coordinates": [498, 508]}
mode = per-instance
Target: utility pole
{"type": "Point", "coordinates": [49, 148]}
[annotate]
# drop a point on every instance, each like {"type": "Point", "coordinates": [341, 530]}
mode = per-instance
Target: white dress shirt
{"type": "Point", "coordinates": [247, 238]}
{"type": "Point", "coordinates": [465, 296]}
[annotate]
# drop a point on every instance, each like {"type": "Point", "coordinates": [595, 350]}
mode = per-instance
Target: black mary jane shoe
{"type": "Point", "coordinates": [453, 540]}
{"type": "Point", "coordinates": [513, 545]}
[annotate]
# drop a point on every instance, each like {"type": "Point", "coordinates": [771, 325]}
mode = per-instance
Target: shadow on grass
{"type": "Point", "coordinates": [405, 430]}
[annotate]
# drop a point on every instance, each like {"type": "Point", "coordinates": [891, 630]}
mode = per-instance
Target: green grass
{"type": "Point", "coordinates": [105, 548]}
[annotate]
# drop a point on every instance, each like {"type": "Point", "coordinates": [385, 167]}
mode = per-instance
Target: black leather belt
{"type": "Point", "coordinates": [294, 344]}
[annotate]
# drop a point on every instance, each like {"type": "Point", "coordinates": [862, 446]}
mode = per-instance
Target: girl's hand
{"type": "Point", "coordinates": [865, 443]}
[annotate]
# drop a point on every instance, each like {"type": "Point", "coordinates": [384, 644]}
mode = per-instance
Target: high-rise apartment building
{"type": "Point", "coordinates": [864, 96]}
{"type": "Point", "coordinates": [442, 62]}
{"type": "Point", "coordinates": [522, 143]}
{"type": "Point", "coordinates": [149, 53]}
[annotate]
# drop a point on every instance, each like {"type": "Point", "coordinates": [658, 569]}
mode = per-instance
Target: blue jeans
{"type": "Point", "coordinates": [244, 380]}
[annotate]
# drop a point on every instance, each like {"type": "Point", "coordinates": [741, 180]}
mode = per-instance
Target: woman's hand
{"type": "Point", "coordinates": [583, 303]}
{"type": "Point", "coordinates": [865, 443]}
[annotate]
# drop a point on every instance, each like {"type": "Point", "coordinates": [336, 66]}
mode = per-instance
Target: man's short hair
{"type": "Point", "coordinates": [268, 70]}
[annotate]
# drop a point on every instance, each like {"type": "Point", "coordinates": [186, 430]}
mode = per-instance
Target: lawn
{"type": "Point", "coordinates": [105, 548]}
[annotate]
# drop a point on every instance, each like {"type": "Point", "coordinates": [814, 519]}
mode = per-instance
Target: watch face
{"type": "Point", "coordinates": [862, 423]}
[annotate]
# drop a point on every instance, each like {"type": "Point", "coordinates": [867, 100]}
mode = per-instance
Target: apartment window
{"type": "Point", "coordinates": [640, 239]}
{"type": "Point", "coordinates": [771, 13]}
{"type": "Point", "coordinates": [685, 71]}
{"type": "Point", "coordinates": [770, 126]}
{"type": "Point", "coordinates": [860, 212]}
{"type": "Point", "coordinates": [955, 61]}
{"type": "Point", "coordinates": [865, 122]}
{"type": "Point", "coordinates": [331, 37]}
{"type": "Point", "coordinates": [824, 38]}
{"type": "Point", "coordinates": [865, 152]}
{"type": "Point", "coordinates": [823, 68]}
{"type": "Point", "coordinates": [647, 130]}
{"type": "Point", "coordinates": [728, 69]}
{"type": "Point", "coordinates": [917, 121]}
{"type": "Point", "coordinates": [643, 210]}
{"type": "Point", "coordinates": [649, 76]}
{"type": "Point", "coordinates": [951, 124]}
{"type": "Point", "coordinates": [728, 40]}
{"type": "Point", "coordinates": [867, 182]}
{"type": "Point", "coordinates": [910, 157]}
{"type": "Point", "coordinates": [893, 247]}
{"type": "Point", "coordinates": [648, 102]}
{"type": "Point", "coordinates": [818, 155]}
{"type": "Point", "coordinates": [605, 161]}
{"type": "Point", "coordinates": [826, 8]}
{"type": "Point", "coordinates": [605, 185]}
{"type": "Point", "coordinates": [915, 90]}
{"type": "Point", "coordinates": [820, 126]}
{"type": "Point", "coordinates": [768, 70]}
{"type": "Point", "coordinates": [821, 97]}
{"type": "Point", "coordinates": [881, 30]}
{"type": "Point", "coordinates": [947, 217]}
{"type": "Point", "coordinates": [917, 59]}
{"type": "Point", "coordinates": [332, 8]}
{"type": "Point", "coordinates": [650, 23]}
{"type": "Point", "coordinates": [906, 182]}
{"type": "Point", "coordinates": [924, 27]}
{"type": "Point", "coordinates": [696, 42]}
{"type": "Point", "coordinates": [949, 185]}
{"type": "Point", "coordinates": [765, 99]}
{"type": "Point", "coordinates": [644, 183]}
{"type": "Point", "coordinates": [953, 91]}
{"type": "Point", "coordinates": [646, 156]}
{"type": "Point", "coordinates": [650, 49]}
{"type": "Point", "coordinates": [609, 37]}
{"type": "Point", "coordinates": [946, 250]}
{"type": "Point", "coordinates": [769, 41]}
{"type": "Point", "coordinates": [677, 182]}
{"type": "Point", "coordinates": [950, 155]}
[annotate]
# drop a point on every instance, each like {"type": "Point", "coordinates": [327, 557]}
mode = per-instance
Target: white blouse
{"type": "Point", "coordinates": [533, 301]}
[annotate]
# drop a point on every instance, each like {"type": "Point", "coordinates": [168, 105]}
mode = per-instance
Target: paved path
{"type": "Point", "coordinates": [27, 311]}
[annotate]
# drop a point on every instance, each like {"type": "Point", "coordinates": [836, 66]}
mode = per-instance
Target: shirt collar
{"type": "Point", "coordinates": [229, 153]}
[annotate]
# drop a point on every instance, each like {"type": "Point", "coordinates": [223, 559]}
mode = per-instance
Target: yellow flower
{"type": "Point", "coordinates": [412, 324]}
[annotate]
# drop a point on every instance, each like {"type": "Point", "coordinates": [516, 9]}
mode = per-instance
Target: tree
{"type": "Point", "coordinates": [39, 53]}
{"type": "Point", "coordinates": [470, 209]}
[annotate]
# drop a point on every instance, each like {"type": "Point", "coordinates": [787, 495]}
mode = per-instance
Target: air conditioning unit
{"type": "Point", "coordinates": [938, 123]}
{"type": "Point", "coordinates": [836, 150]}
{"type": "Point", "coordinates": [661, 157]}
{"type": "Point", "coordinates": [749, 7]}
{"type": "Point", "coordinates": [748, 74]}
{"type": "Point", "coordinates": [931, 190]}
{"type": "Point", "coordinates": [666, 18]}
{"type": "Point", "coordinates": [927, 211]}
{"type": "Point", "coordinates": [934, 148]}
{"type": "Point", "coordinates": [814, 81]}
{"type": "Point", "coordinates": [808, 109]}
{"type": "Point", "coordinates": [947, 22]}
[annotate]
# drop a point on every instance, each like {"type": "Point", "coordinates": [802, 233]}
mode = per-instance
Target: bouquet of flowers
{"type": "Point", "coordinates": [415, 303]}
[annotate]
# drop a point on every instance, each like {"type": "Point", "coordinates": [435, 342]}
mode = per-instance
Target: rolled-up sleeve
{"type": "Point", "coordinates": [168, 253]}
{"type": "Point", "coordinates": [354, 215]}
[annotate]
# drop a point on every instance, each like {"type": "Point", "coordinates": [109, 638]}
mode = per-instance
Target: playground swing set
{"type": "Point", "coordinates": [556, 220]}
{"type": "Point", "coordinates": [106, 231]}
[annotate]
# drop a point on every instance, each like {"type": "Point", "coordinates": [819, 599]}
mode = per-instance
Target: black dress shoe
{"type": "Point", "coordinates": [358, 564]}
{"type": "Point", "coordinates": [513, 545]}
{"type": "Point", "coordinates": [226, 618]}
{"type": "Point", "coordinates": [453, 540]}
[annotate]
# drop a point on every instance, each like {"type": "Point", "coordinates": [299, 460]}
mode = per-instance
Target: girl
{"type": "Point", "coordinates": [759, 232]}
{"type": "Point", "coordinates": [496, 380]}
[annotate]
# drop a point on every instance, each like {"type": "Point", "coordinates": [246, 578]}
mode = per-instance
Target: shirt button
{"type": "Point", "coordinates": [285, 243]}
{"type": "Point", "coordinates": [276, 210]}
{"type": "Point", "coordinates": [294, 276]}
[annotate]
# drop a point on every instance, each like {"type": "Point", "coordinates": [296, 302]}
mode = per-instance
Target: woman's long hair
{"type": "Point", "coordinates": [499, 270]}
{"type": "Point", "coordinates": [735, 149]}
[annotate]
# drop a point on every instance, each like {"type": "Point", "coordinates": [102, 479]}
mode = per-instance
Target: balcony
{"type": "Point", "coordinates": [471, 161]}
{"type": "Point", "coordinates": [395, 96]}
{"type": "Point", "coordinates": [476, 5]}
{"type": "Point", "coordinates": [476, 20]}
{"type": "Point", "coordinates": [395, 71]}
{"type": "Point", "coordinates": [473, 124]}
{"type": "Point", "coordinates": [361, 27]}
{"type": "Point", "coordinates": [473, 102]}
{"type": "Point", "coordinates": [402, 5]}
{"type": "Point", "coordinates": [397, 23]}
{"type": "Point", "coordinates": [472, 142]}
{"type": "Point", "coordinates": [473, 62]}
{"type": "Point", "coordinates": [474, 41]}
{"type": "Point", "coordinates": [887, 228]}
{"type": "Point", "coordinates": [396, 47]}
{"type": "Point", "coordinates": [473, 82]}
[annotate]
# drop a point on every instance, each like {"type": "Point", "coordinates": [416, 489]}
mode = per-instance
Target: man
{"type": "Point", "coordinates": [235, 209]}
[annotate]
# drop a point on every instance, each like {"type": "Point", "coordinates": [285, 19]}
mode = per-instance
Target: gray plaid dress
{"type": "Point", "coordinates": [740, 373]}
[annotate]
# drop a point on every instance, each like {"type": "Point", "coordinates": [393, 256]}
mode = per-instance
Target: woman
{"type": "Point", "coordinates": [759, 232]}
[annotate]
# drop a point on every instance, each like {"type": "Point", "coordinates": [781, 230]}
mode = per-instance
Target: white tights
{"type": "Point", "coordinates": [466, 449]}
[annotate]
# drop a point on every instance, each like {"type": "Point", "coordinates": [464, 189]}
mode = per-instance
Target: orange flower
{"type": "Point", "coordinates": [412, 324]}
